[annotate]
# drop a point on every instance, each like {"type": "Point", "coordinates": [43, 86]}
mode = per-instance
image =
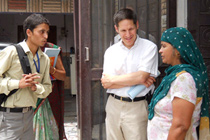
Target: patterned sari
{"type": "Point", "coordinates": [49, 114]}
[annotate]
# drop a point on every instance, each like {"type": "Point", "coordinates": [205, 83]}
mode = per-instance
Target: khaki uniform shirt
{"type": "Point", "coordinates": [11, 73]}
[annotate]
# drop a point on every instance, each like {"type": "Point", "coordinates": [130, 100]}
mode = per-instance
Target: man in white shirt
{"type": "Point", "coordinates": [129, 62]}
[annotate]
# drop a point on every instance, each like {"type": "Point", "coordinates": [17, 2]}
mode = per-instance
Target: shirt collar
{"type": "Point", "coordinates": [27, 50]}
{"type": "Point", "coordinates": [135, 44]}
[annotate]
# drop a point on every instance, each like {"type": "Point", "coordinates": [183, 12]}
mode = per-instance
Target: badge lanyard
{"type": "Point", "coordinates": [37, 68]}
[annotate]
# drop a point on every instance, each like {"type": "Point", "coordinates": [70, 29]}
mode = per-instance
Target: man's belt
{"type": "Point", "coordinates": [127, 99]}
{"type": "Point", "coordinates": [23, 109]}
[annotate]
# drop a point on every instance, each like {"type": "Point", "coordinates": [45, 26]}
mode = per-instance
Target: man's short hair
{"type": "Point", "coordinates": [33, 21]}
{"type": "Point", "coordinates": [124, 13]}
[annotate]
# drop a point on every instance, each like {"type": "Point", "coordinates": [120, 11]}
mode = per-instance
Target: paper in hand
{"type": "Point", "coordinates": [136, 89]}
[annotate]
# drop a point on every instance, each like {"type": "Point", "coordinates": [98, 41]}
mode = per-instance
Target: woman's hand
{"type": "Point", "coordinates": [58, 72]}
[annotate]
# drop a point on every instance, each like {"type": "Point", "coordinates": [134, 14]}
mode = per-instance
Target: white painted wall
{"type": "Point", "coordinates": [182, 13]}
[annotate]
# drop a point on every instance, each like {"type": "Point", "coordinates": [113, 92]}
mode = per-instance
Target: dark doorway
{"type": "Point", "coordinates": [199, 26]}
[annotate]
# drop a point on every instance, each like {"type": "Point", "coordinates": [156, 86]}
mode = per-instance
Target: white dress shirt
{"type": "Point", "coordinates": [119, 60]}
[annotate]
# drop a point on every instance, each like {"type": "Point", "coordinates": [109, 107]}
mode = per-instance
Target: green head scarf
{"type": "Point", "coordinates": [182, 40]}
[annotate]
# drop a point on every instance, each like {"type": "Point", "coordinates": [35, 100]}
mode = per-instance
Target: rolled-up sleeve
{"type": "Point", "coordinates": [149, 60]}
{"type": "Point", "coordinates": [7, 83]}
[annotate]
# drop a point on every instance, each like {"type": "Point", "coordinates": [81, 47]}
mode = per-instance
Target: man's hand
{"type": "Point", "coordinates": [28, 81]}
{"type": "Point", "coordinates": [149, 81]}
{"type": "Point", "coordinates": [106, 80]}
{"type": "Point", "coordinates": [119, 81]}
{"type": "Point", "coordinates": [33, 87]}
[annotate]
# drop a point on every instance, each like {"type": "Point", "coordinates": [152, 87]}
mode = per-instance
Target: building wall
{"type": "Point", "coordinates": [46, 6]}
{"type": "Point", "coordinates": [182, 13]}
{"type": "Point", "coordinates": [9, 23]}
{"type": "Point", "coordinates": [64, 22]}
{"type": "Point", "coordinates": [163, 15]}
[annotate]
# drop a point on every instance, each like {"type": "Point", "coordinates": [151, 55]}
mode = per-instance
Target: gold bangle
{"type": "Point", "coordinates": [53, 71]}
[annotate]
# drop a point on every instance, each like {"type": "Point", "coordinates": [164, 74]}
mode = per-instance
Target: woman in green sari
{"type": "Point", "coordinates": [49, 114]}
{"type": "Point", "coordinates": [180, 104]}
